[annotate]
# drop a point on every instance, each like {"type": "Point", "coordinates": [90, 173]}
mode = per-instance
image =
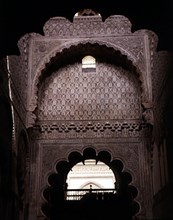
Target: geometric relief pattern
{"type": "Point", "coordinates": [110, 92]}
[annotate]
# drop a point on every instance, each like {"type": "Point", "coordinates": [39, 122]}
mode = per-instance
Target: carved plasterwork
{"type": "Point", "coordinates": [83, 26]}
{"type": "Point", "coordinates": [90, 129]}
{"type": "Point", "coordinates": [50, 152]}
{"type": "Point", "coordinates": [71, 94]}
{"type": "Point", "coordinates": [118, 108]}
{"type": "Point", "coordinates": [61, 34]}
{"type": "Point", "coordinates": [148, 114]}
{"type": "Point", "coordinates": [18, 70]}
{"type": "Point", "coordinates": [34, 89]}
{"type": "Point", "coordinates": [56, 152]}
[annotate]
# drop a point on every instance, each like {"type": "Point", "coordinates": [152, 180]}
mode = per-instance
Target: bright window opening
{"type": "Point", "coordinates": [88, 62]}
{"type": "Point", "coordinates": [90, 174]}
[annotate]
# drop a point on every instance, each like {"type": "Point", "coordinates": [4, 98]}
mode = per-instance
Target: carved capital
{"type": "Point", "coordinates": [147, 114]}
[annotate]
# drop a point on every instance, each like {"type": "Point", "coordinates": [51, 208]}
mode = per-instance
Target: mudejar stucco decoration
{"type": "Point", "coordinates": [61, 34]}
{"type": "Point", "coordinates": [110, 108]}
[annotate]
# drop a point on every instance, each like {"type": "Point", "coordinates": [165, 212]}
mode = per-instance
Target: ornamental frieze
{"type": "Point", "coordinates": [90, 129]}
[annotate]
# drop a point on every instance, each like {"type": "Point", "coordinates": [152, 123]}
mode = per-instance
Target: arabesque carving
{"type": "Point", "coordinates": [86, 26]}
{"type": "Point", "coordinates": [117, 35]}
{"type": "Point", "coordinates": [118, 107]}
{"type": "Point", "coordinates": [108, 93]}
{"type": "Point", "coordinates": [91, 129]}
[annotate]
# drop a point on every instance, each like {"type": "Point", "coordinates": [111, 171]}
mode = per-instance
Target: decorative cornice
{"type": "Point", "coordinates": [71, 129]}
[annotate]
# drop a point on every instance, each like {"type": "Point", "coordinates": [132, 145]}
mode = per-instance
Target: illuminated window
{"type": "Point", "coordinates": [88, 63]}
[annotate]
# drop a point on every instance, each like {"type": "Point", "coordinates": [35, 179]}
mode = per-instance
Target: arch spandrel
{"type": "Point", "coordinates": [123, 175]}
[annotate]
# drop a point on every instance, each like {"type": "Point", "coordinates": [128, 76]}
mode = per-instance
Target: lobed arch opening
{"type": "Point", "coordinates": [55, 193]}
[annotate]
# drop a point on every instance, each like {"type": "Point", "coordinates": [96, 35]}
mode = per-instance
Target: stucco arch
{"type": "Point", "coordinates": [48, 60]}
{"type": "Point", "coordinates": [64, 166]}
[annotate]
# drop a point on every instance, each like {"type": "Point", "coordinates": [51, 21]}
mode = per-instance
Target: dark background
{"type": "Point", "coordinates": [20, 17]}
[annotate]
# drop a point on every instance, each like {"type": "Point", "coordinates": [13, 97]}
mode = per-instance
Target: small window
{"type": "Point", "coordinates": [87, 12]}
{"type": "Point", "coordinates": [88, 63]}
